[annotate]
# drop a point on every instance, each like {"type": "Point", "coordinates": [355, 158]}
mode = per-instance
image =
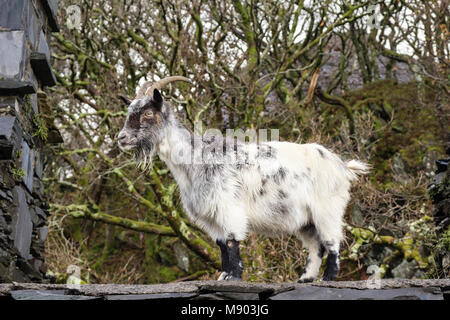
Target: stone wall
{"type": "Point", "coordinates": [26, 127]}
{"type": "Point", "coordinates": [439, 190]}
{"type": "Point", "coordinates": [399, 289]}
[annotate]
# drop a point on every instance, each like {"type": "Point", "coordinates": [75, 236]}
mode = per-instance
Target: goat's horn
{"type": "Point", "coordinates": [143, 89]}
{"type": "Point", "coordinates": [148, 87]}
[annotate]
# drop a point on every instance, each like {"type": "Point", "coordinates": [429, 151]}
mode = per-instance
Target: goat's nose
{"type": "Point", "coordinates": [122, 136]}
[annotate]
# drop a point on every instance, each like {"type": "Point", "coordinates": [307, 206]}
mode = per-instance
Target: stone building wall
{"type": "Point", "coordinates": [26, 126]}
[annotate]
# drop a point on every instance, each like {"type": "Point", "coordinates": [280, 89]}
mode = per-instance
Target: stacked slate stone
{"type": "Point", "coordinates": [385, 289]}
{"type": "Point", "coordinates": [439, 190]}
{"type": "Point", "coordinates": [440, 193]}
{"type": "Point", "coordinates": [26, 126]}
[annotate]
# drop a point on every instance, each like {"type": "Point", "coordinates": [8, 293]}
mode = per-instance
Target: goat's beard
{"type": "Point", "coordinates": [145, 150]}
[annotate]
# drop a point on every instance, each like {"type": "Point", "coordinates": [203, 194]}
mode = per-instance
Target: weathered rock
{"type": "Point", "coordinates": [195, 290]}
{"type": "Point", "coordinates": [43, 232]}
{"type": "Point", "coordinates": [38, 166]}
{"type": "Point", "coordinates": [439, 190]}
{"type": "Point", "coordinates": [6, 127]}
{"type": "Point", "coordinates": [46, 295]}
{"type": "Point", "coordinates": [384, 284]}
{"type": "Point", "coordinates": [22, 225]}
{"type": "Point", "coordinates": [15, 76]}
{"type": "Point", "coordinates": [51, 9]}
{"type": "Point", "coordinates": [407, 270]}
{"type": "Point", "coordinates": [377, 254]}
{"type": "Point", "coordinates": [357, 217]}
{"type": "Point", "coordinates": [113, 289]}
{"type": "Point", "coordinates": [182, 256]}
{"type": "Point", "coordinates": [12, 51]}
{"type": "Point", "coordinates": [429, 162]}
{"type": "Point", "coordinates": [208, 296]}
{"type": "Point", "coordinates": [227, 295]}
{"type": "Point", "coordinates": [400, 170]}
{"type": "Point", "coordinates": [7, 287]}
{"type": "Point", "coordinates": [154, 296]}
{"type": "Point", "coordinates": [244, 287]}
{"type": "Point", "coordinates": [27, 165]}
{"type": "Point", "coordinates": [13, 14]}
{"type": "Point", "coordinates": [41, 66]}
{"type": "Point", "coordinates": [321, 293]}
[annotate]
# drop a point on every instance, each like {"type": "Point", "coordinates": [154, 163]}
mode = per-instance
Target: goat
{"type": "Point", "coordinates": [270, 188]}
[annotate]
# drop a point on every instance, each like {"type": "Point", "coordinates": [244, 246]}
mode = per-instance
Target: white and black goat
{"type": "Point", "coordinates": [237, 188]}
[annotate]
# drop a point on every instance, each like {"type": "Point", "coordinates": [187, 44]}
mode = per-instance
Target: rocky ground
{"type": "Point", "coordinates": [398, 289]}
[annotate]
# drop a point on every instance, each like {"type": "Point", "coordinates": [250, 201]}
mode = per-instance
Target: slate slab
{"type": "Point", "coordinates": [14, 286]}
{"type": "Point", "coordinates": [16, 87]}
{"type": "Point", "coordinates": [27, 165]}
{"type": "Point", "coordinates": [384, 283]}
{"type": "Point", "coordinates": [6, 127]}
{"type": "Point", "coordinates": [12, 51]}
{"type": "Point", "coordinates": [13, 14]}
{"type": "Point", "coordinates": [51, 10]}
{"type": "Point", "coordinates": [412, 289]}
{"type": "Point", "coordinates": [153, 296]}
{"type": "Point", "coordinates": [114, 289]}
{"type": "Point", "coordinates": [46, 295]}
{"type": "Point", "coordinates": [245, 287]}
{"type": "Point", "coordinates": [5, 288]}
{"type": "Point", "coordinates": [22, 224]}
{"type": "Point", "coordinates": [38, 165]}
{"type": "Point", "coordinates": [42, 68]}
{"type": "Point", "coordinates": [224, 295]}
{"type": "Point", "coordinates": [322, 293]}
{"type": "Point", "coordinates": [208, 296]}
{"type": "Point", "coordinates": [43, 233]}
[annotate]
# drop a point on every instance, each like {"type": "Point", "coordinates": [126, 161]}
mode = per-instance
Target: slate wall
{"type": "Point", "coordinates": [25, 129]}
{"type": "Point", "coordinates": [385, 289]}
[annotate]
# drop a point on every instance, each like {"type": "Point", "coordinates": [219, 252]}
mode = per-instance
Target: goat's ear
{"type": "Point", "coordinates": [157, 99]}
{"type": "Point", "coordinates": [125, 100]}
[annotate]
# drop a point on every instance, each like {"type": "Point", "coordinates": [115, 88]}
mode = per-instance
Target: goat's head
{"type": "Point", "coordinates": [147, 120]}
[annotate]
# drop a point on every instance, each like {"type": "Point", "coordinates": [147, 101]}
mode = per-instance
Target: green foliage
{"type": "Point", "coordinates": [42, 130]}
{"type": "Point", "coordinates": [17, 173]}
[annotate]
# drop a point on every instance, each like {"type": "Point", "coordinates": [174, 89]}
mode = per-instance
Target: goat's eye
{"type": "Point", "coordinates": [148, 114]}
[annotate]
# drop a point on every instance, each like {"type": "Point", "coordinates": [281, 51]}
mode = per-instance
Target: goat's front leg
{"type": "Point", "coordinates": [231, 260]}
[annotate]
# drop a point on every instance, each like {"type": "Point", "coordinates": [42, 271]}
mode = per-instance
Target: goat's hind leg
{"type": "Point", "coordinates": [235, 260]}
{"type": "Point", "coordinates": [310, 240]}
{"type": "Point", "coordinates": [231, 260]}
{"type": "Point", "coordinates": [332, 265]}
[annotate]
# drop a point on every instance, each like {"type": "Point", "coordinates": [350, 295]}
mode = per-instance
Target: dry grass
{"type": "Point", "coordinates": [61, 252]}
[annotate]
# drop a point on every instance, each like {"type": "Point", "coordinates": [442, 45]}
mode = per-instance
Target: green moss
{"type": "Point", "coordinates": [17, 173]}
{"type": "Point", "coordinates": [42, 130]}
{"type": "Point", "coordinates": [28, 105]}
{"type": "Point", "coordinates": [444, 241]}
{"type": "Point", "coordinates": [408, 245]}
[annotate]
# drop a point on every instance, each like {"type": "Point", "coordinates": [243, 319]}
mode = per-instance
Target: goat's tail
{"type": "Point", "coordinates": [357, 168]}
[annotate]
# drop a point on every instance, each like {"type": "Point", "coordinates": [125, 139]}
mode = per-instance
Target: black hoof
{"type": "Point", "coordinates": [329, 277]}
{"type": "Point", "coordinates": [332, 267]}
{"type": "Point", "coordinates": [305, 280]}
{"type": "Point", "coordinates": [233, 278]}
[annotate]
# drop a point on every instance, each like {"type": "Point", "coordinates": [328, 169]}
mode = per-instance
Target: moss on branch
{"type": "Point", "coordinates": [84, 211]}
{"type": "Point", "coordinates": [406, 245]}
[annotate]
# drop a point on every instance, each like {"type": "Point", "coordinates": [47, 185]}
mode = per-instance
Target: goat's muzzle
{"type": "Point", "coordinates": [126, 141]}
